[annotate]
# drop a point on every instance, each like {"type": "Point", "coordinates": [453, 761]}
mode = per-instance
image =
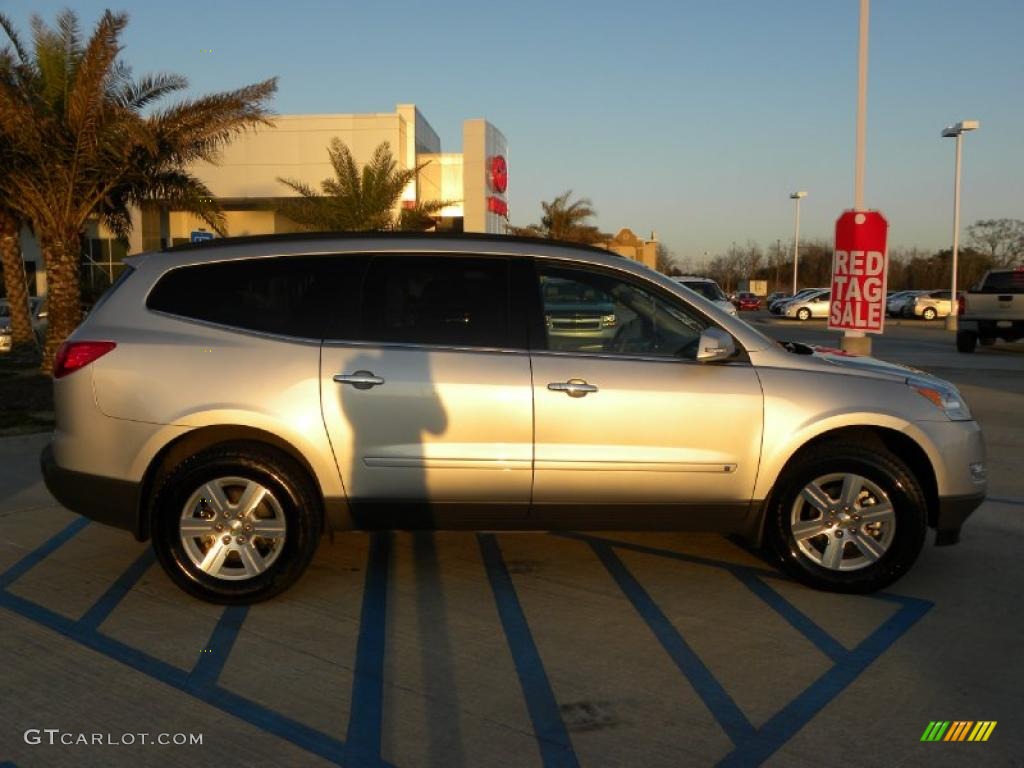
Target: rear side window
{"type": "Point", "coordinates": [1004, 282]}
{"type": "Point", "coordinates": [303, 296]}
{"type": "Point", "coordinates": [449, 300]}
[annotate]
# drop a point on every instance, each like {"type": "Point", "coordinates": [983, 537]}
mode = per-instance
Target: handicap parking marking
{"type": "Point", "coordinates": [365, 725]}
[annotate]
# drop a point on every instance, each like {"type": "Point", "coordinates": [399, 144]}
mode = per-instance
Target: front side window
{"type": "Point", "coordinates": [448, 301]}
{"type": "Point", "coordinates": [596, 312]}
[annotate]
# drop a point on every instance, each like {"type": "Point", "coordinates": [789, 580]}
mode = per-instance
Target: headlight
{"type": "Point", "coordinates": [945, 398]}
{"type": "Point", "coordinates": [607, 321]}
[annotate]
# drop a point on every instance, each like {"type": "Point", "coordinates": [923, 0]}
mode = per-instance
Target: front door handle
{"type": "Point", "coordinates": [573, 387]}
{"type": "Point", "coordinates": [359, 379]}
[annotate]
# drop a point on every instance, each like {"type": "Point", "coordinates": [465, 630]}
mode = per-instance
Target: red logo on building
{"type": "Point", "coordinates": [498, 206]}
{"type": "Point", "coordinates": [499, 173]}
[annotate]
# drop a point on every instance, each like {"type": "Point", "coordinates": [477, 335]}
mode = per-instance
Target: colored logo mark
{"type": "Point", "coordinates": [958, 730]}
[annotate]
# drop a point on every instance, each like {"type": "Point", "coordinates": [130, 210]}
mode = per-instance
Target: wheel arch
{"type": "Point", "coordinates": [202, 438]}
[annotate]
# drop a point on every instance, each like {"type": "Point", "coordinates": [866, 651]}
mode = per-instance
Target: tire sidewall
{"type": "Point", "coordinates": [910, 517]}
{"type": "Point", "coordinates": [177, 490]}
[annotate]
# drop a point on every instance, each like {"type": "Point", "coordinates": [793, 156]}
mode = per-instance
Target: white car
{"type": "Point", "coordinates": [812, 305]}
{"type": "Point", "coordinates": [37, 311]}
{"type": "Point", "coordinates": [709, 289]}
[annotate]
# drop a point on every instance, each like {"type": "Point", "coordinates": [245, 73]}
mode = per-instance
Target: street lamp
{"type": "Point", "coordinates": [798, 196]}
{"type": "Point", "coordinates": [956, 132]}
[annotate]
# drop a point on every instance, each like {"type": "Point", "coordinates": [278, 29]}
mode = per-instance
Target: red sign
{"type": "Point", "coordinates": [860, 266]}
{"type": "Point", "coordinates": [498, 206]}
{"type": "Point", "coordinates": [498, 173]}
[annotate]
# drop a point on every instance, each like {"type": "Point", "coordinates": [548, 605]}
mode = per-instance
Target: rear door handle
{"type": "Point", "coordinates": [573, 387]}
{"type": "Point", "coordinates": [359, 379]}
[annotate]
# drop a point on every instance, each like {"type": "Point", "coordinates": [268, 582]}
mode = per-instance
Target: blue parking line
{"type": "Point", "coordinates": [729, 716]}
{"type": "Point", "coordinates": [45, 549]}
{"type": "Point", "coordinates": [785, 723]}
{"type": "Point", "coordinates": [211, 662]}
{"type": "Point", "coordinates": [117, 591]}
{"type": "Point", "coordinates": [363, 739]}
{"type": "Point", "coordinates": [821, 639]}
{"type": "Point", "coordinates": [556, 748]}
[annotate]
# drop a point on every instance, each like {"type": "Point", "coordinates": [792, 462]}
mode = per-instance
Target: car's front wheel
{"type": "Point", "coordinates": [847, 518]}
{"type": "Point", "coordinates": [929, 313]}
{"type": "Point", "coordinates": [804, 314]}
{"type": "Point", "coordinates": [236, 524]}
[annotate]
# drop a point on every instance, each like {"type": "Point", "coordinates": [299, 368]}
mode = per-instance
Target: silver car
{"type": "Point", "coordinates": [37, 316]}
{"type": "Point", "coordinates": [232, 401]}
{"type": "Point", "coordinates": [812, 305]}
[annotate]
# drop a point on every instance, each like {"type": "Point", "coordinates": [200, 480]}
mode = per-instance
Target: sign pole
{"type": "Point", "coordinates": [856, 341]}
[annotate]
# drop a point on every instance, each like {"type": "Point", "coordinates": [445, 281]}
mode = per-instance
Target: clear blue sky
{"type": "Point", "coordinates": [693, 119]}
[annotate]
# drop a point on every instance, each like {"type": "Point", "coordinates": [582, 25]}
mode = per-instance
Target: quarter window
{"type": "Point", "coordinates": [594, 312]}
{"type": "Point", "coordinates": [303, 296]}
{"type": "Point", "coordinates": [449, 301]}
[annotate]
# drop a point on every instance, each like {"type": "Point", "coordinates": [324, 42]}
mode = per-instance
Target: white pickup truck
{"type": "Point", "coordinates": [993, 310]}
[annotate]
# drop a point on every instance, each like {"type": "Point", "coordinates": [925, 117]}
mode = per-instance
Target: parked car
{"type": "Point", "coordinates": [992, 310]}
{"type": "Point", "coordinates": [303, 383]}
{"type": "Point", "coordinates": [37, 314]}
{"type": "Point", "coordinates": [929, 305]}
{"type": "Point", "coordinates": [895, 302]}
{"type": "Point", "coordinates": [812, 305]}
{"type": "Point", "coordinates": [575, 313]}
{"type": "Point", "coordinates": [710, 290]}
{"type": "Point", "coordinates": [779, 306]}
{"type": "Point", "coordinates": [775, 296]}
{"type": "Point", "coordinates": [745, 300]}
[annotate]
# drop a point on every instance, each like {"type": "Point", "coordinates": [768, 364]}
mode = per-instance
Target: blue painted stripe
{"type": "Point", "coordinates": [117, 591]}
{"type": "Point", "coordinates": [211, 662]}
{"type": "Point", "coordinates": [549, 729]}
{"type": "Point", "coordinates": [302, 736]}
{"type": "Point", "coordinates": [792, 615]}
{"type": "Point", "coordinates": [363, 740]}
{"type": "Point", "coordinates": [48, 547]}
{"type": "Point", "coordinates": [729, 716]}
{"type": "Point", "coordinates": [785, 723]}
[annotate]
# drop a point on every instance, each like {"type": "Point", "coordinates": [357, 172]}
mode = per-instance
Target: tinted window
{"type": "Point", "coordinates": [708, 290]}
{"type": "Point", "coordinates": [1004, 282]}
{"type": "Point", "coordinates": [303, 296]}
{"type": "Point", "coordinates": [599, 313]}
{"type": "Point", "coordinates": [449, 300]}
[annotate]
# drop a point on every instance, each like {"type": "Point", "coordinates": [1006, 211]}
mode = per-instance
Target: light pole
{"type": "Point", "coordinates": [956, 132]}
{"type": "Point", "coordinates": [798, 196]}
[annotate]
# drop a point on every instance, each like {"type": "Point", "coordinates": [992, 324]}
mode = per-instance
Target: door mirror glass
{"type": "Point", "coordinates": [715, 344]}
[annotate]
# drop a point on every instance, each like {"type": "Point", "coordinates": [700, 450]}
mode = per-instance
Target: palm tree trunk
{"type": "Point", "coordinates": [14, 282]}
{"type": "Point", "coordinates": [63, 255]}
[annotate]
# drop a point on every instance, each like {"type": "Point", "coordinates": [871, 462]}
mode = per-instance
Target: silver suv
{"type": "Point", "coordinates": [232, 401]}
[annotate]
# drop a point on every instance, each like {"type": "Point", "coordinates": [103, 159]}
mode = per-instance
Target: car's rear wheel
{"type": "Point", "coordinates": [847, 518]}
{"type": "Point", "coordinates": [803, 314]}
{"type": "Point", "coordinates": [236, 523]}
{"type": "Point", "coordinates": [929, 313]}
{"type": "Point", "coordinates": [966, 341]}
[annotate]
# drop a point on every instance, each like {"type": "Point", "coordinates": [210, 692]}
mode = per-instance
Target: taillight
{"type": "Point", "coordinates": [961, 305]}
{"type": "Point", "coordinates": [73, 355]}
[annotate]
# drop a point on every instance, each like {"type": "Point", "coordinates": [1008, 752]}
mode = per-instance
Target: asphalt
{"type": "Point", "coordinates": [462, 649]}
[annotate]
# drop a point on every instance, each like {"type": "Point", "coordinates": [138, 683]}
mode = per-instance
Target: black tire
{"type": "Point", "coordinates": [966, 341]}
{"type": "Point", "coordinates": [929, 313]}
{"type": "Point", "coordinates": [881, 468]}
{"type": "Point", "coordinates": [803, 314]}
{"type": "Point", "coordinates": [283, 477]}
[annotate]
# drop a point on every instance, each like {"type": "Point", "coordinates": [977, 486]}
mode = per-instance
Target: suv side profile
{"type": "Point", "coordinates": [232, 401]}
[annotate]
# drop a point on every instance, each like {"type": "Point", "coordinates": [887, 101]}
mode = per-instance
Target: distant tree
{"type": "Point", "coordinates": [1002, 240]}
{"type": "Point", "coordinates": [665, 260]}
{"type": "Point", "coordinates": [359, 200]}
{"type": "Point", "coordinates": [565, 220]}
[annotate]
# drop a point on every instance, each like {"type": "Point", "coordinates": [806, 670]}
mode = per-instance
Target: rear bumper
{"type": "Point", "coordinates": [103, 499]}
{"type": "Point", "coordinates": [953, 511]}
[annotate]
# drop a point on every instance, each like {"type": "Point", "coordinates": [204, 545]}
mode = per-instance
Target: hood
{"type": "Point", "coordinates": [848, 360]}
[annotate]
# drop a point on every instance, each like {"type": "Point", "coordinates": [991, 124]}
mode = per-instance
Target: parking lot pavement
{"type": "Point", "coordinates": [461, 649]}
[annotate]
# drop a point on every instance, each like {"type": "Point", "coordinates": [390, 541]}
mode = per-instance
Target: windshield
{"type": "Point", "coordinates": [706, 288]}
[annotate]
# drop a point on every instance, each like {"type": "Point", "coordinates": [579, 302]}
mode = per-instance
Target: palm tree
{"type": "Point", "coordinates": [563, 220]}
{"type": "Point", "coordinates": [359, 200]}
{"type": "Point", "coordinates": [73, 116]}
{"type": "Point", "coordinates": [15, 285]}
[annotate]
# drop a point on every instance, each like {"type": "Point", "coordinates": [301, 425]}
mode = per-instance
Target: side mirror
{"type": "Point", "coordinates": [714, 345]}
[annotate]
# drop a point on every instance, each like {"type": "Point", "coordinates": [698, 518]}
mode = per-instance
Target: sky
{"type": "Point", "coordinates": [693, 120]}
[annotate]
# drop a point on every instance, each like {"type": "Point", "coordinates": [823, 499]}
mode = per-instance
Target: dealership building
{"type": "Point", "coordinates": [245, 181]}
